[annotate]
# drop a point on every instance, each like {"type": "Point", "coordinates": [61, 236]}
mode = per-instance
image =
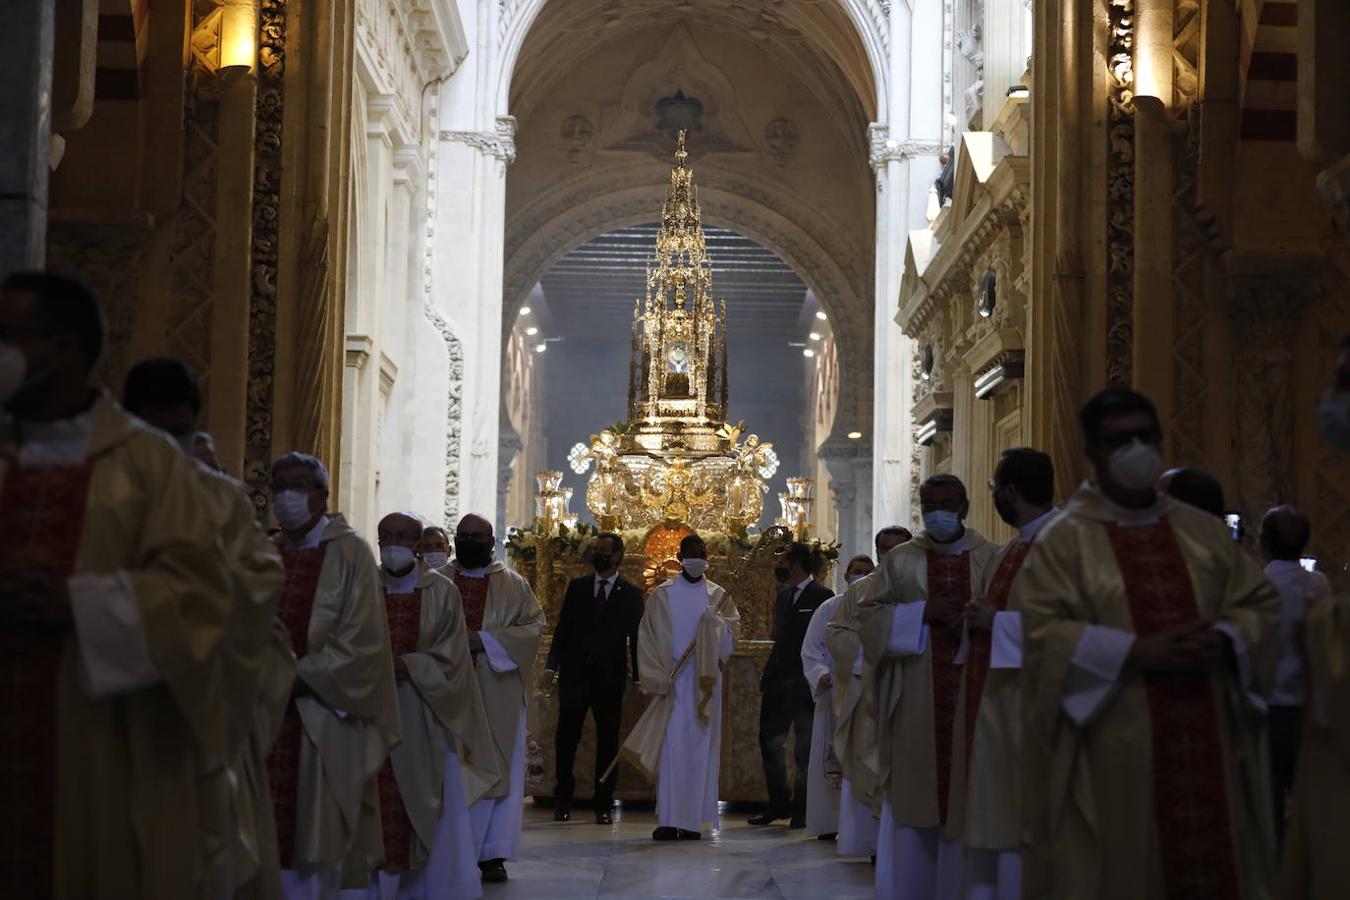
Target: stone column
{"type": "Point", "coordinates": [467, 288]}
{"type": "Point", "coordinates": [904, 151]}
{"type": "Point", "coordinates": [840, 458]}
{"type": "Point", "coordinates": [228, 386]}
{"type": "Point", "coordinates": [1269, 294]}
{"type": "Point", "coordinates": [25, 132]}
{"type": "Point", "coordinates": [1153, 300]}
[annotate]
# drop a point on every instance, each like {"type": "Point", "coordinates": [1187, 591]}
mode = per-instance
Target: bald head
{"type": "Point", "coordinates": [400, 529]}
{"type": "Point", "coordinates": [474, 525]}
{"type": "Point", "coordinates": [1285, 533]}
{"type": "Point", "coordinates": [474, 543]}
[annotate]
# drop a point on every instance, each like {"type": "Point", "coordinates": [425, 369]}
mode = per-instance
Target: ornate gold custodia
{"type": "Point", "coordinates": [677, 459]}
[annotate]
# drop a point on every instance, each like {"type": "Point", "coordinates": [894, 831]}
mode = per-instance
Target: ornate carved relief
{"type": "Point", "coordinates": [454, 409]}
{"type": "Point", "coordinates": [499, 143]}
{"type": "Point", "coordinates": [1120, 192]}
{"type": "Point", "coordinates": [262, 318]}
{"type": "Point", "coordinates": [781, 136]}
{"type": "Point", "coordinates": [1186, 40]}
{"type": "Point", "coordinates": [1191, 256]}
{"type": "Point", "coordinates": [188, 329]}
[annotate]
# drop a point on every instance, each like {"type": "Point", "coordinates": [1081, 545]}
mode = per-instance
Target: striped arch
{"type": "Point", "coordinates": [123, 46]}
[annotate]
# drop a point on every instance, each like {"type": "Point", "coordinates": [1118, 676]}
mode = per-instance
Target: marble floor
{"type": "Point", "coordinates": [579, 859]}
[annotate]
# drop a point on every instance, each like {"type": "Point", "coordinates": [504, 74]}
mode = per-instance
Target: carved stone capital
{"type": "Point", "coordinates": [881, 149]}
{"type": "Point", "coordinates": [1267, 292]}
{"type": "Point", "coordinates": [499, 143]}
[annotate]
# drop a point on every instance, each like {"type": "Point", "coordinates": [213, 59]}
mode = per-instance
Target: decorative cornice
{"type": "Point", "coordinates": [499, 143]}
{"type": "Point", "coordinates": [881, 149]}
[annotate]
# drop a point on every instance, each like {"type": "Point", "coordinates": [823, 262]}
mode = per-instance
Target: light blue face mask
{"type": "Point", "coordinates": [1333, 420]}
{"type": "Point", "coordinates": [941, 525]}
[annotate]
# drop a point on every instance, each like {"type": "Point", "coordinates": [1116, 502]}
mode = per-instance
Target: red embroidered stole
{"type": "Point", "coordinates": [405, 618]}
{"type": "Point", "coordinates": [1190, 794]}
{"type": "Point", "coordinates": [982, 642]}
{"type": "Point", "coordinates": [303, 568]}
{"type": "Point", "coordinates": [474, 593]}
{"type": "Point", "coordinates": [948, 576]}
{"type": "Point", "coordinates": [42, 512]}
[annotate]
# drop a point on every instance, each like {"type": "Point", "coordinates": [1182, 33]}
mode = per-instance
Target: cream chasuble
{"type": "Point", "coordinates": [1151, 786]}
{"type": "Point", "coordinates": [510, 622]}
{"type": "Point", "coordinates": [897, 733]}
{"type": "Point", "coordinates": [1317, 866]}
{"type": "Point", "coordinates": [444, 727]}
{"type": "Point", "coordinates": [258, 670]}
{"type": "Point", "coordinates": [337, 732]}
{"type": "Point", "coordinates": [983, 810]}
{"type": "Point", "coordinates": [676, 742]}
{"type": "Point", "coordinates": [105, 725]}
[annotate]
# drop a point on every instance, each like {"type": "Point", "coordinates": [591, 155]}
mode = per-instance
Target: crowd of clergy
{"type": "Point", "coordinates": [1119, 702]}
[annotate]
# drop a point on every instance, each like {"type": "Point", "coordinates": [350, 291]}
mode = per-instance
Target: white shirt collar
{"type": "Point", "coordinates": [801, 586]}
{"type": "Point", "coordinates": [1027, 533]}
{"type": "Point", "coordinates": [474, 573]}
{"type": "Point", "coordinates": [609, 582]}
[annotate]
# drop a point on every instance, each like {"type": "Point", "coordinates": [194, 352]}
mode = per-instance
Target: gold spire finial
{"type": "Point", "coordinates": [680, 153]}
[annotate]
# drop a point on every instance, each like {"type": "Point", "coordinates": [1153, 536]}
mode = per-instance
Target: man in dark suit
{"type": "Point", "coordinates": [786, 697]}
{"type": "Point", "coordinates": [596, 637]}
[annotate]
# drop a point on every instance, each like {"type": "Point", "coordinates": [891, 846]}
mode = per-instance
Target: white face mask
{"type": "Point", "coordinates": [694, 568]}
{"type": "Point", "coordinates": [1136, 466]}
{"type": "Point", "coordinates": [854, 579]}
{"type": "Point", "coordinates": [13, 368]}
{"type": "Point", "coordinates": [291, 509]}
{"type": "Point", "coordinates": [397, 558]}
{"type": "Point", "coordinates": [436, 560]}
{"type": "Point", "coordinates": [942, 525]}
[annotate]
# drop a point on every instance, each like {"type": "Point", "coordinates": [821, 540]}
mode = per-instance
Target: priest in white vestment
{"type": "Point", "coordinates": [908, 617]}
{"type": "Point", "coordinates": [1148, 651]}
{"type": "Point", "coordinates": [114, 603]}
{"type": "Point", "coordinates": [679, 738]}
{"type": "Point", "coordinates": [824, 816]}
{"type": "Point", "coordinates": [505, 624]}
{"type": "Point", "coordinates": [429, 847]}
{"type": "Point", "coordinates": [257, 665]}
{"type": "Point", "coordinates": [984, 810]}
{"type": "Point", "coordinates": [343, 714]}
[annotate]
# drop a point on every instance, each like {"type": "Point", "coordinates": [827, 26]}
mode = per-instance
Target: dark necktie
{"type": "Point", "coordinates": [599, 596]}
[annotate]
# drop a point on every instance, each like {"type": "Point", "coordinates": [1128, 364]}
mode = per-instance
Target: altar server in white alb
{"type": "Point", "coordinates": [505, 623]}
{"type": "Point", "coordinates": [984, 810]}
{"type": "Point", "coordinates": [679, 737]}
{"type": "Point", "coordinates": [823, 785]}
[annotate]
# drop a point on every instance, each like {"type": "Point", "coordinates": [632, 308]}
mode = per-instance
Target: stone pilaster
{"type": "Point", "coordinates": [25, 133]}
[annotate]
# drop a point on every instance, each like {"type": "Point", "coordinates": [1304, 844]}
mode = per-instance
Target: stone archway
{"type": "Point", "coordinates": [869, 20]}
{"type": "Point", "coordinates": [577, 213]}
